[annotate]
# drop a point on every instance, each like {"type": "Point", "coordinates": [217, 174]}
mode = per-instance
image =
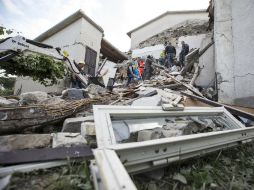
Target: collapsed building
{"type": "Point", "coordinates": [83, 39]}
{"type": "Point", "coordinates": [130, 132]}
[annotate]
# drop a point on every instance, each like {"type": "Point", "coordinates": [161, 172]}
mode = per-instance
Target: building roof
{"type": "Point", "coordinates": [164, 14]}
{"type": "Point", "coordinates": [64, 23]}
{"type": "Point", "coordinates": [107, 49]}
{"type": "Point", "coordinates": [111, 52]}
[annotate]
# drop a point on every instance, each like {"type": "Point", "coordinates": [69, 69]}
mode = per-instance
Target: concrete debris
{"type": "Point", "coordinates": [148, 101]}
{"type": "Point", "coordinates": [145, 135]}
{"type": "Point", "coordinates": [88, 129]}
{"type": "Point", "coordinates": [158, 133]}
{"type": "Point", "coordinates": [30, 98]}
{"type": "Point", "coordinates": [179, 77]}
{"type": "Point", "coordinates": [175, 73]}
{"type": "Point", "coordinates": [95, 90]}
{"type": "Point", "coordinates": [189, 27]}
{"type": "Point", "coordinates": [68, 140]}
{"type": "Point", "coordinates": [210, 93]}
{"type": "Point", "coordinates": [72, 125]}
{"type": "Point", "coordinates": [8, 102]}
{"type": "Point", "coordinates": [178, 126]}
{"type": "Point", "coordinates": [29, 141]}
{"type": "Point", "coordinates": [121, 131]}
{"type": "Point", "coordinates": [73, 94]}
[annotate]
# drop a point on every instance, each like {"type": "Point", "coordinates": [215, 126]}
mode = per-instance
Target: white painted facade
{"type": "Point", "coordinates": [74, 38]}
{"type": "Point", "coordinates": [234, 51]}
{"type": "Point", "coordinates": [194, 41]}
{"type": "Point", "coordinates": [206, 77]}
{"type": "Point", "coordinates": [164, 22]}
{"type": "Point", "coordinates": [154, 51]}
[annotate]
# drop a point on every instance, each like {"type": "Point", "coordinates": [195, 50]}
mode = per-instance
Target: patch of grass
{"type": "Point", "coordinates": [227, 169]}
{"type": "Point", "coordinates": [73, 176]}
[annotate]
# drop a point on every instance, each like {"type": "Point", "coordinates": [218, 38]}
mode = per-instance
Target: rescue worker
{"type": "Point", "coordinates": [141, 67]}
{"type": "Point", "coordinates": [170, 53]}
{"type": "Point", "coordinates": [148, 68]}
{"type": "Point", "coordinates": [162, 58]}
{"type": "Point", "coordinates": [130, 73]}
{"type": "Point", "coordinates": [135, 69]}
{"type": "Point", "coordinates": [183, 53]}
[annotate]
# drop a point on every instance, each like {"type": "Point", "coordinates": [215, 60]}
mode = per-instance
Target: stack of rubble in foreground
{"type": "Point", "coordinates": [55, 138]}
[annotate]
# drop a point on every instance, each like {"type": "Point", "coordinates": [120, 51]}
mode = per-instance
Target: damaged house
{"type": "Point", "coordinates": [163, 133]}
{"type": "Point", "coordinates": [158, 27]}
{"type": "Point", "coordinates": [83, 39]}
{"type": "Point", "coordinates": [228, 64]}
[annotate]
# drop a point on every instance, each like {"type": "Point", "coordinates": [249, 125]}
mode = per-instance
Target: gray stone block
{"type": "Point", "coordinates": [145, 135]}
{"type": "Point", "coordinates": [73, 124]}
{"type": "Point", "coordinates": [67, 140]}
{"type": "Point", "coordinates": [19, 142]}
{"type": "Point", "coordinates": [88, 128]}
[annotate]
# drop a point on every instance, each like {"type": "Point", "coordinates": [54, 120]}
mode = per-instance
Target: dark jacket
{"type": "Point", "coordinates": [170, 49]}
{"type": "Point", "coordinates": [148, 69]}
{"type": "Point", "coordinates": [185, 49]}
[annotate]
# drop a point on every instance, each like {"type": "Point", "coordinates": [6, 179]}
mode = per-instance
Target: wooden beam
{"type": "Point", "coordinates": [45, 154]}
{"type": "Point", "coordinates": [231, 109]}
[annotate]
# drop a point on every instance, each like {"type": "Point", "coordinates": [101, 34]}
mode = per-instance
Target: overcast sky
{"type": "Point", "coordinates": [116, 17]}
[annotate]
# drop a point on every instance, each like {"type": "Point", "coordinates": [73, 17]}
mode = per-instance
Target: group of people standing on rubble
{"type": "Point", "coordinates": [141, 69]}
{"type": "Point", "coordinates": [168, 56]}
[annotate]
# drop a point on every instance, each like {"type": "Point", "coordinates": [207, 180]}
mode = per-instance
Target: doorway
{"type": "Point", "coordinates": [90, 60]}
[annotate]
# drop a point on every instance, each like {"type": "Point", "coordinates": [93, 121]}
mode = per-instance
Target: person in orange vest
{"type": "Point", "coordinates": [141, 67]}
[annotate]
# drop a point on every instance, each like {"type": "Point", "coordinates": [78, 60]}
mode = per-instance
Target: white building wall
{"type": "Point", "coordinates": [234, 52]}
{"type": "Point", "coordinates": [72, 39]}
{"type": "Point", "coordinates": [193, 42]}
{"type": "Point", "coordinates": [161, 24]}
{"type": "Point", "coordinates": [67, 39]}
{"type": "Point", "coordinates": [206, 77]}
{"type": "Point", "coordinates": [243, 36]}
{"type": "Point", "coordinates": [26, 84]}
{"type": "Point", "coordinates": [92, 37]}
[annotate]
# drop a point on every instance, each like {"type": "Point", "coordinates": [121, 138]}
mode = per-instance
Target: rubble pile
{"type": "Point", "coordinates": [188, 27]}
{"type": "Point", "coordinates": [180, 126]}
{"type": "Point", "coordinates": [51, 139]}
{"type": "Point", "coordinates": [59, 125]}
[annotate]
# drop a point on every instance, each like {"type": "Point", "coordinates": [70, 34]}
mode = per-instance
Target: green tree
{"type": "Point", "coordinates": [43, 69]}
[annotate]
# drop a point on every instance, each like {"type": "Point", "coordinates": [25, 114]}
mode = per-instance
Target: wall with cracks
{"type": "Point", "coordinates": [234, 51]}
{"type": "Point", "coordinates": [74, 38]}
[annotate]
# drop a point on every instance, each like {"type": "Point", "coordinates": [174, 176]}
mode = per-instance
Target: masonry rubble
{"type": "Point", "coordinates": [163, 89]}
{"type": "Point", "coordinates": [70, 116]}
{"type": "Point", "coordinates": [186, 28]}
